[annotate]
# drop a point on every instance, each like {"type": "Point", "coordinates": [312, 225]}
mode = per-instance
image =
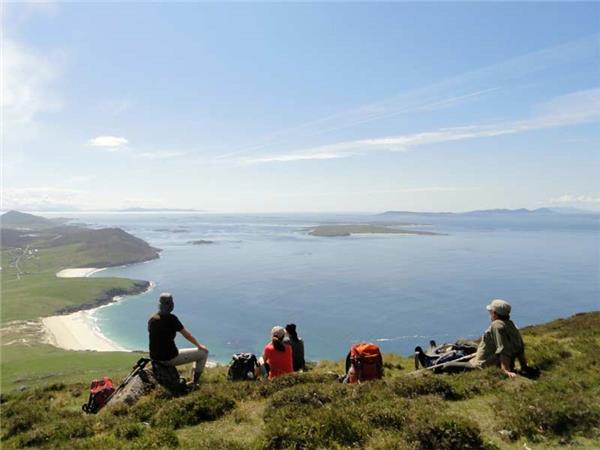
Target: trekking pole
{"type": "Point", "coordinates": [435, 366]}
{"type": "Point", "coordinates": [139, 366]}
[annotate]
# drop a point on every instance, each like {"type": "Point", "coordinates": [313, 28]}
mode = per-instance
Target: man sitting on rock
{"type": "Point", "coordinates": [500, 345]}
{"type": "Point", "coordinates": [162, 328]}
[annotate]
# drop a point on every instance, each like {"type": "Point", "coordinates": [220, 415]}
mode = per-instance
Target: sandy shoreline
{"type": "Point", "coordinates": [78, 272]}
{"type": "Point", "coordinates": [79, 330]}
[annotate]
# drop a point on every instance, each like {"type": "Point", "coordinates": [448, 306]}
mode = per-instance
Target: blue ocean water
{"type": "Point", "coordinates": [397, 290]}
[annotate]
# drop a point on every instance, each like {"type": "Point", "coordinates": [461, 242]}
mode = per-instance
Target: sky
{"type": "Point", "coordinates": [300, 107]}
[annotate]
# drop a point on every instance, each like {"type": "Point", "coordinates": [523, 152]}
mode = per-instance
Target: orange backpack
{"type": "Point", "coordinates": [366, 363]}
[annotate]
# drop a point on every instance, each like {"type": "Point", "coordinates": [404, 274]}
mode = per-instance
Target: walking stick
{"type": "Point", "coordinates": [464, 358]}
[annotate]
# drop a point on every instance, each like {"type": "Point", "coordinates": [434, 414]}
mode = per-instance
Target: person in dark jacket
{"type": "Point", "coordinates": [297, 347]}
{"type": "Point", "coordinates": [162, 329]}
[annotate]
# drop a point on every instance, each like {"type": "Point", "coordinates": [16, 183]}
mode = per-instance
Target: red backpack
{"type": "Point", "coordinates": [100, 392]}
{"type": "Point", "coordinates": [365, 363]}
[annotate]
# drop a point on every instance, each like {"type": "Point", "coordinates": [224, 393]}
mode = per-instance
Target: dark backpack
{"type": "Point", "coordinates": [440, 354]}
{"type": "Point", "coordinates": [169, 378]}
{"type": "Point", "coordinates": [364, 363]}
{"type": "Point", "coordinates": [100, 392]}
{"type": "Point", "coordinates": [242, 367]}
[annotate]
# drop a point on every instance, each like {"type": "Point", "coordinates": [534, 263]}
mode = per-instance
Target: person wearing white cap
{"type": "Point", "coordinates": [277, 355]}
{"type": "Point", "coordinates": [501, 344]}
{"type": "Point", "coordinates": [162, 329]}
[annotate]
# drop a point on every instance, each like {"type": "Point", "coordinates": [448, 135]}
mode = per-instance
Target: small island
{"type": "Point", "coordinates": [344, 230]}
{"type": "Point", "coordinates": [172, 230]}
{"type": "Point", "coordinates": [201, 242]}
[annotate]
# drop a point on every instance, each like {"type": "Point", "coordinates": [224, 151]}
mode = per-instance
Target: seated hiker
{"type": "Point", "coordinates": [162, 328]}
{"type": "Point", "coordinates": [500, 345]}
{"type": "Point", "coordinates": [297, 344]}
{"type": "Point", "coordinates": [276, 359]}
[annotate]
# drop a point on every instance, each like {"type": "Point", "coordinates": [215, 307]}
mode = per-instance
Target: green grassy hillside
{"type": "Point", "coordinates": [31, 289]}
{"type": "Point", "coordinates": [34, 252]}
{"type": "Point", "coordinates": [476, 410]}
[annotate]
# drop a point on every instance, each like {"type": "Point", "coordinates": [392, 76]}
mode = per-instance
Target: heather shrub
{"type": "Point", "coordinates": [21, 416]}
{"type": "Point", "coordinates": [550, 408]}
{"type": "Point", "coordinates": [292, 379]}
{"type": "Point", "coordinates": [426, 384]}
{"type": "Point", "coordinates": [155, 439]}
{"type": "Point", "coordinates": [312, 394]}
{"type": "Point", "coordinates": [388, 414]}
{"type": "Point", "coordinates": [475, 382]}
{"type": "Point", "coordinates": [445, 433]}
{"type": "Point", "coordinates": [54, 387]}
{"type": "Point", "coordinates": [191, 410]}
{"type": "Point", "coordinates": [145, 408]}
{"type": "Point", "coordinates": [326, 427]}
{"type": "Point", "coordinates": [128, 430]}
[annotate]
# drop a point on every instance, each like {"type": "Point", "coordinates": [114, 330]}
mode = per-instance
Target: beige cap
{"type": "Point", "coordinates": [499, 306]}
{"type": "Point", "coordinates": [278, 332]}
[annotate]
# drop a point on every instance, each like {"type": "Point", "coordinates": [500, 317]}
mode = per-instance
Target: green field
{"type": "Point", "coordinates": [37, 292]}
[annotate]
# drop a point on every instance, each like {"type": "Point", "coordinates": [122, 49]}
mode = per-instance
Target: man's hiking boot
{"type": "Point", "coordinates": [196, 378]}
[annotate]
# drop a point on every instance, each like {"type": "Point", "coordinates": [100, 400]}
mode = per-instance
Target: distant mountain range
{"type": "Point", "coordinates": [493, 212]}
{"type": "Point", "coordinates": [158, 210]}
{"type": "Point", "coordinates": [19, 220]}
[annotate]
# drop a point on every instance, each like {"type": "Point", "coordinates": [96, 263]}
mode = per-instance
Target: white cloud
{"type": "Point", "coordinates": [575, 199]}
{"type": "Point", "coordinates": [466, 87]}
{"type": "Point", "coordinates": [160, 155]}
{"type": "Point", "coordinates": [108, 143]}
{"type": "Point", "coordinates": [27, 84]}
{"type": "Point", "coordinates": [571, 109]}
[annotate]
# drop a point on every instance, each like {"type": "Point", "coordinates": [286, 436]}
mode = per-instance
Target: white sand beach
{"type": "Point", "coordinates": [77, 331]}
{"type": "Point", "coordinates": [77, 272]}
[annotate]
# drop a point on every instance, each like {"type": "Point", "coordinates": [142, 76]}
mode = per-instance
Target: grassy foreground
{"type": "Point", "coordinates": [476, 410]}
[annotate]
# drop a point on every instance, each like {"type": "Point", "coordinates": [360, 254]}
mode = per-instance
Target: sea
{"type": "Point", "coordinates": [398, 291]}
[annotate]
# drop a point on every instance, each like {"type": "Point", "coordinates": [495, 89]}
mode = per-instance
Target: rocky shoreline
{"type": "Point", "coordinates": [106, 298]}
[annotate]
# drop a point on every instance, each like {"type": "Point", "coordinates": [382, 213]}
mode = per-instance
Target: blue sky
{"type": "Point", "coordinates": [301, 107]}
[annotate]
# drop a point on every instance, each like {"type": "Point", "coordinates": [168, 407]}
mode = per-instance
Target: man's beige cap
{"type": "Point", "coordinates": [499, 306]}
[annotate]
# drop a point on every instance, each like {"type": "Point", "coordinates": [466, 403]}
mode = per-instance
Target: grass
{"type": "Point", "coordinates": [476, 410]}
{"type": "Point", "coordinates": [30, 367]}
{"type": "Point", "coordinates": [38, 292]}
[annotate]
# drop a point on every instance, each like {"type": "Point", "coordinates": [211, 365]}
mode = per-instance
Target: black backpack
{"type": "Point", "coordinates": [440, 354]}
{"type": "Point", "coordinates": [242, 367]}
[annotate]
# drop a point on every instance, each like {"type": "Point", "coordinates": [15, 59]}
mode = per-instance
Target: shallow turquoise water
{"type": "Point", "coordinates": [397, 290]}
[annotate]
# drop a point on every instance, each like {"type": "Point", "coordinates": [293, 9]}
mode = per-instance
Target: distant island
{"type": "Point", "coordinates": [342, 230]}
{"type": "Point", "coordinates": [171, 230]}
{"type": "Point", "coordinates": [201, 242]}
